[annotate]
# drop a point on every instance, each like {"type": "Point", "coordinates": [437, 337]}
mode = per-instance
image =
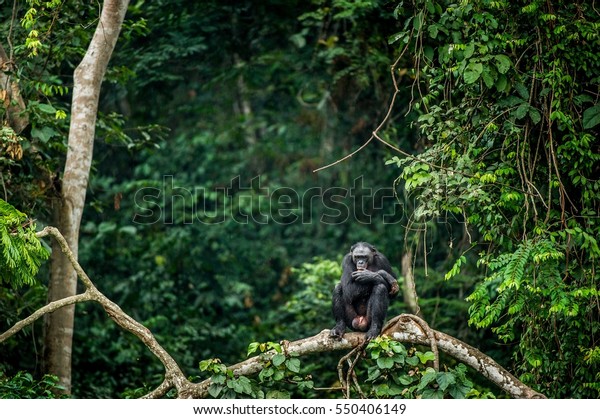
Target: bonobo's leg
{"type": "Point", "coordinates": [377, 310]}
{"type": "Point", "coordinates": [339, 313]}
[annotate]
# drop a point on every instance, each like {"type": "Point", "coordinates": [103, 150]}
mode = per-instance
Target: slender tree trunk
{"type": "Point", "coordinates": [409, 289]}
{"type": "Point", "coordinates": [69, 208]}
{"type": "Point", "coordinates": [243, 106]}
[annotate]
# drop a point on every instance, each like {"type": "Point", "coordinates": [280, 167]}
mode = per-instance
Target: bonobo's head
{"type": "Point", "coordinates": [362, 255]}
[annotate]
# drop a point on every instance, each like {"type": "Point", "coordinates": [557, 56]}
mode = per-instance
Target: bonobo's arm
{"type": "Point", "coordinates": [379, 277]}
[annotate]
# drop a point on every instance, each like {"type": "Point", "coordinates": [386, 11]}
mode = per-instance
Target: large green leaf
{"type": "Point", "coordinates": [591, 117]}
{"type": "Point", "coordinates": [473, 72]}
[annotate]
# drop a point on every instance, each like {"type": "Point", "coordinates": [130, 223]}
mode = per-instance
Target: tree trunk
{"type": "Point", "coordinates": [68, 210]}
{"type": "Point", "coordinates": [409, 290]}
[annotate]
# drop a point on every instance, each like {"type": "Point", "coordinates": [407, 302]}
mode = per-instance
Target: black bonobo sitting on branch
{"type": "Point", "coordinates": [361, 298]}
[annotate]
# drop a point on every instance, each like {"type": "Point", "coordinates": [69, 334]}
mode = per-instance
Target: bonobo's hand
{"type": "Point", "coordinates": [365, 275]}
{"type": "Point", "coordinates": [395, 288]}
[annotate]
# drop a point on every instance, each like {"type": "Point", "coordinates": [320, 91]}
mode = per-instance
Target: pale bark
{"type": "Point", "coordinates": [243, 106]}
{"type": "Point", "coordinates": [69, 208]}
{"type": "Point", "coordinates": [409, 290]}
{"type": "Point", "coordinates": [404, 328]}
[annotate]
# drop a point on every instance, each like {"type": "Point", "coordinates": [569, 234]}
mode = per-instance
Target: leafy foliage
{"type": "Point", "coordinates": [398, 372]}
{"type": "Point", "coordinates": [22, 251]}
{"type": "Point", "coordinates": [279, 370]}
{"type": "Point", "coordinates": [510, 131]}
{"type": "Point", "coordinates": [24, 386]}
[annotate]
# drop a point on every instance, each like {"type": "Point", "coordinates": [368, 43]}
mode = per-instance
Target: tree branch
{"type": "Point", "coordinates": [404, 328]}
{"type": "Point", "coordinates": [174, 377]}
{"type": "Point", "coordinates": [49, 308]}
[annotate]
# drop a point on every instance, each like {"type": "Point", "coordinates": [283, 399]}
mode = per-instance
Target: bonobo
{"type": "Point", "coordinates": [361, 298]}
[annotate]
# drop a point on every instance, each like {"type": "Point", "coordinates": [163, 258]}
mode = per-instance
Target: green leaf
{"type": "Point", "coordinates": [522, 90]}
{"type": "Point", "coordinates": [382, 390]}
{"type": "Point", "coordinates": [424, 357]}
{"type": "Point", "coordinates": [44, 134]}
{"type": "Point", "coordinates": [418, 21]}
{"type": "Point", "coordinates": [46, 108]}
{"type": "Point", "coordinates": [472, 72]}
{"type": "Point", "coordinates": [433, 31]}
{"type": "Point", "coordinates": [445, 379]}
{"type": "Point", "coordinates": [299, 40]}
{"type": "Point", "coordinates": [373, 374]}
{"type": "Point", "coordinates": [413, 361]}
{"type": "Point", "coordinates": [396, 37]}
{"type": "Point", "coordinates": [214, 390]}
{"type": "Point", "coordinates": [293, 364]}
{"type": "Point", "coordinates": [591, 117]}
{"type": "Point", "coordinates": [428, 52]}
{"type": "Point", "coordinates": [406, 379]}
{"type": "Point", "coordinates": [385, 363]}
{"type": "Point", "coordinates": [501, 83]}
{"type": "Point", "coordinates": [431, 393]}
{"type": "Point", "coordinates": [428, 377]}
{"type": "Point", "coordinates": [218, 379]}
{"type": "Point", "coordinates": [265, 373]}
{"type": "Point", "coordinates": [242, 385]}
{"type": "Point", "coordinates": [398, 359]}
{"type": "Point", "coordinates": [459, 391]}
{"type": "Point", "coordinates": [522, 111]}
{"type": "Point", "coordinates": [253, 347]}
{"type": "Point", "coordinates": [430, 7]}
{"type": "Point", "coordinates": [487, 77]}
{"type": "Point", "coordinates": [278, 359]}
{"type": "Point", "coordinates": [534, 115]}
{"type": "Point", "coordinates": [503, 63]}
{"type": "Point", "coordinates": [469, 50]}
{"type": "Point", "coordinates": [278, 394]}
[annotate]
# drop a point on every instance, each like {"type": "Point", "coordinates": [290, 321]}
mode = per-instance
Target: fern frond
{"type": "Point", "coordinates": [21, 251]}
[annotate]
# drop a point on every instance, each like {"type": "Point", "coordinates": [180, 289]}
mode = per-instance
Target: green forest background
{"type": "Point", "coordinates": [485, 171]}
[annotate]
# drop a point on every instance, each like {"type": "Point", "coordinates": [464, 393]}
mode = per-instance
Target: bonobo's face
{"type": "Point", "coordinates": [362, 256]}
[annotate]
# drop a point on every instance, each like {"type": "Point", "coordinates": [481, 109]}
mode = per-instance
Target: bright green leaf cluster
{"type": "Point", "coordinates": [22, 252]}
{"type": "Point", "coordinates": [404, 373]}
{"type": "Point", "coordinates": [279, 369]}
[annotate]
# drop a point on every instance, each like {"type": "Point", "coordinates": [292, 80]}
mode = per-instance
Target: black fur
{"type": "Point", "coordinates": [361, 298]}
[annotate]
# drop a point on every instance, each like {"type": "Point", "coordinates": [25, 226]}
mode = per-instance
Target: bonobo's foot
{"type": "Point", "coordinates": [337, 332]}
{"type": "Point", "coordinates": [372, 333]}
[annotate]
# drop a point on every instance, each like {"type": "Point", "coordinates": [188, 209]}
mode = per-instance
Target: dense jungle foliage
{"type": "Point", "coordinates": [208, 220]}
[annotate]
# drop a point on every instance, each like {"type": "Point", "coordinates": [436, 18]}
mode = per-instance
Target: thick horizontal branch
{"type": "Point", "coordinates": [318, 343]}
{"type": "Point", "coordinates": [402, 328]}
